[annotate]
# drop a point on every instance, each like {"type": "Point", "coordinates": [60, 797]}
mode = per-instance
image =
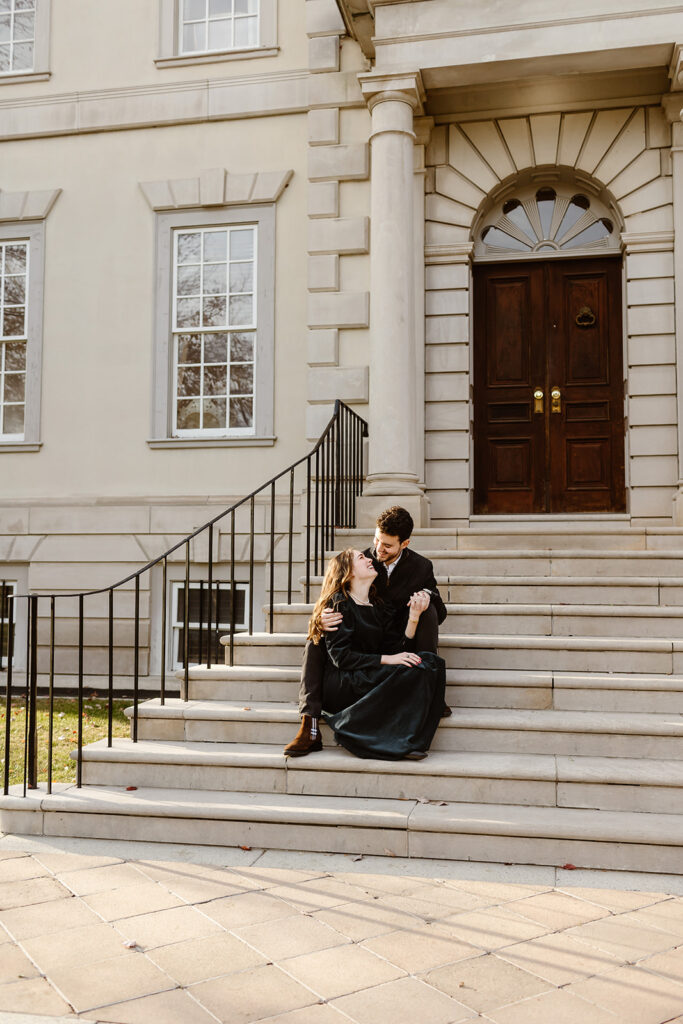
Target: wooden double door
{"type": "Point", "coordinates": [548, 387]}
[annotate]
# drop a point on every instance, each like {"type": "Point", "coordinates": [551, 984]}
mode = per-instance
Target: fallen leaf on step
{"type": "Point", "coordinates": [423, 800]}
{"type": "Point", "coordinates": [246, 709]}
{"type": "Point", "coordinates": [568, 867]}
{"type": "Point", "coordinates": [245, 847]}
{"type": "Point", "coordinates": [131, 787]}
{"type": "Point", "coordinates": [359, 857]}
{"type": "Point", "coordinates": [130, 943]}
{"type": "Point", "coordinates": [389, 853]}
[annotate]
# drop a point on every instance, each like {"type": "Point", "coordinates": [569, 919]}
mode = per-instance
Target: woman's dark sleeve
{"type": "Point", "coordinates": [340, 647]}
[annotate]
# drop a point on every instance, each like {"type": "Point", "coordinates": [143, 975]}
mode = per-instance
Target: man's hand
{"type": "Point", "coordinates": [418, 603]}
{"type": "Point", "coordinates": [330, 620]}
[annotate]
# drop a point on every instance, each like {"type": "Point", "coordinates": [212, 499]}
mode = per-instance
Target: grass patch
{"type": "Point", "coordinates": [64, 733]}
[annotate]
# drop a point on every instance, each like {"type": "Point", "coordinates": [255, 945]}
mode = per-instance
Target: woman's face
{"type": "Point", "coordinates": [363, 569]}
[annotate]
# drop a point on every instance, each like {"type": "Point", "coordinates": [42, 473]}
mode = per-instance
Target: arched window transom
{"type": "Point", "coordinates": [546, 221]}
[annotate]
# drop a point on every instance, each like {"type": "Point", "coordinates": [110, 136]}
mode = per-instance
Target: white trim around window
{"type": "Point", "coordinates": [259, 41]}
{"type": "Point", "coordinates": [185, 350]}
{"type": "Point", "coordinates": [21, 344]}
{"type": "Point", "coordinates": [24, 41]}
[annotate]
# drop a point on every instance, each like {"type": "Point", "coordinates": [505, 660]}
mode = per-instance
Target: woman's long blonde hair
{"type": "Point", "coordinates": [337, 579]}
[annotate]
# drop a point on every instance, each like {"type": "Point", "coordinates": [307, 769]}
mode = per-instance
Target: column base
{"type": "Point", "coordinates": [381, 491]}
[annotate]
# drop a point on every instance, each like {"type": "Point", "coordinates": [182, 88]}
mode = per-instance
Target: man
{"type": "Point", "coordinates": [400, 573]}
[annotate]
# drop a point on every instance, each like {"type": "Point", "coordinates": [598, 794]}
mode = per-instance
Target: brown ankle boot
{"type": "Point", "coordinates": [303, 743]}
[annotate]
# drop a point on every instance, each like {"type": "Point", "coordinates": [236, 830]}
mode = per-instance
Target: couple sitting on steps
{"type": "Point", "coordinates": [370, 667]}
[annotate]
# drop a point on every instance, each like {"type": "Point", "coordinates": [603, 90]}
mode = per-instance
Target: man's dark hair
{"type": "Point", "coordinates": [396, 521]}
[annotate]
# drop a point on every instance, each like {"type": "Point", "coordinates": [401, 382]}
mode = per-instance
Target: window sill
{"type": "Point", "coordinates": [217, 57]}
{"type": "Point", "coordinates": [25, 76]}
{"type": "Point", "coordinates": [211, 442]}
{"type": "Point", "coordinates": [20, 446]}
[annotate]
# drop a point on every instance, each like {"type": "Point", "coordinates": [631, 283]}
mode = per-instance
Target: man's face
{"type": "Point", "coordinates": [388, 548]}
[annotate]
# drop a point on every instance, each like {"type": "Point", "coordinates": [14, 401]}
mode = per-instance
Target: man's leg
{"type": "Point", "coordinates": [310, 701]}
{"type": "Point", "coordinates": [427, 639]}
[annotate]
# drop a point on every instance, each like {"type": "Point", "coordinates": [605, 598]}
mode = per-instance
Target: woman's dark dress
{"type": "Point", "coordinates": [380, 711]}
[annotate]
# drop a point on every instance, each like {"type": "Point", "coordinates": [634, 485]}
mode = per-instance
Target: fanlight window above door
{"type": "Point", "coordinates": [546, 222]}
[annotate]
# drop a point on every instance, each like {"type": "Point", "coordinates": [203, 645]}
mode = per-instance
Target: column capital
{"type": "Point", "coordinates": [404, 87]}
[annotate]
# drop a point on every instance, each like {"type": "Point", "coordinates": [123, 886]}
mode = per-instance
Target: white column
{"type": "Point", "coordinates": [394, 441]}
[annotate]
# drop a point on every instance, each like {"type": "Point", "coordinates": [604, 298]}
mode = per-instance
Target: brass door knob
{"type": "Point", "coordinates": [538, 400]}
{"type": "Point", "coordinates": [556, 400]}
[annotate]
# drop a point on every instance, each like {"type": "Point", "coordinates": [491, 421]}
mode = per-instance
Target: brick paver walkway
{"type": "Point", "coordinates": [128, 938]}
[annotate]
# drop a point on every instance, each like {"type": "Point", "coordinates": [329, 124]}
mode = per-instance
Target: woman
{"type": "Point", "coordinates": [381, 699]}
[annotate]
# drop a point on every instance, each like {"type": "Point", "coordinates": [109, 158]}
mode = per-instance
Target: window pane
{"type": "Point", "coordinates": [5, 5]}
{"type": "Point", "coordinates": [593, 233]}
{"type": "Point", "coordinates": [188, 415]}
{"type": "Point", "coordinates": [245, 32]}
{"type": "Point", "coordinates": [216, 246]}
{"type": "Point", "coordinates": [215, 380]}
{"type": "Point", "coordinates": [189, 247]}
{"type": "Point", "coordinates": [194, 10]}
{"type": "Point", "coordinates": [220, 34]}
{"type": "Point", "coordinates": [5, 28]}
{"type": "Point", "coordinates": [214, 414]}
{"type": "Point", "coordinates": [13, 419]}
{"type": "Point", "coordinates": [15, 356]}
{"type": "Point", "coordinates": [241, 348]}
{"type": "Point", "coordinates": [241, 307]}
{"type": "Point", "coordinates": [215, 279]}
{"type": "Point", "coordinates": [242, 244]}
{"type": "Point", "coordinates": [15, 290]}
{"type": "Point", "coordinates": [15, 259]}
{"type": "Point", "coordinates": [215, 348]}
{"type": "Point", "coordinates": [241, 277]}
{"type": "Point", "coordinates": [13, 322]}
{"type": "Point", "coordinates": [246, 6]}
{"type": "Point", "coordinates": [14, 387]}
{"type": "Point", "coordinates": [242, 380]}
{"type": "Point", "coordinates": [189, 348]}
{"type": "Point", "coordinates": [23, 26]}
{"type": "Point", "coordinates": [214, 311]}
{"type": "Point", "coordinates": [188, 382]}
{"type": "Point", "coordinates": [25, 5]}
{"type": "Point", "coordinates": [189, 280]}
{"type": "Point", "coordinates": [22, 57]}
{"type": "Point", "coordinates": [4, 57]}
{"type": "Point", "coordinates": [187, 313]}
{"type": "Point", "coordinates": [241, 412]}
{"type": "Point", "coordinates": [219, 8]}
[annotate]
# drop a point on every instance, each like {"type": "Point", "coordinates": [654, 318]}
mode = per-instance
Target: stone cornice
{"type": "Point", "coordinates": [647, 241]}
{"type": "Point", "coordinates": [459, 252]}
{"type": "Point", "coordinates": [215, 187]}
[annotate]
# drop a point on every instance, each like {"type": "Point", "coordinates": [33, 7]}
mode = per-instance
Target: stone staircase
{"type": "Point", "coordinates": [565, 672]}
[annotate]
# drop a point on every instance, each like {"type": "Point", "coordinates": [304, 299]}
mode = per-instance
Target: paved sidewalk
{"type": "Point", "coordinates": [130, 933]}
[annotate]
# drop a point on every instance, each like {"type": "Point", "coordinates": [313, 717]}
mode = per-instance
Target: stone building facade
{"type": "Point", "coordinates": [228, 213]}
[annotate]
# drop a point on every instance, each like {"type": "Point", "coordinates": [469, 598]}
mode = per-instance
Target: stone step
{"type": "Point", "coordinates": [506, 731]}
{"type": "Point", "coordinates": [542, 780]}
{"type": "Point", "coordinates": [539, 533]}
{"type": "Point", "coordinates": [526, 653]}
{"type": "Point", "coordinates": [584, 838]}
{"type": "Point", "coordinates": [575, 590]}
{"type": "Point", "coordinates": [569, 562]}
{"type": "Point", "coordinates": [530, 619]}
{"type": "Point", "coordinates": [497, 688]}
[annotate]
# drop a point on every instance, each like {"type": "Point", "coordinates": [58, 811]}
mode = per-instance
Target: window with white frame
{"type": "Point", "coordinates": [17, 36]}
{"type": "Point", "coordinates": [207, 26]}
{"type": "Point", "coordinates": [14, 281]}
{"type": "Point", "coordinates": [8, 588]}
{"type": "Point", "coordinates": [214, 330]}
{"type": "Point", "coordinates": [208, 620]}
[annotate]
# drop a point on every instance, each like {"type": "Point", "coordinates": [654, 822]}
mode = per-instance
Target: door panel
{"type": "Point", "coordinates": [552, 327]}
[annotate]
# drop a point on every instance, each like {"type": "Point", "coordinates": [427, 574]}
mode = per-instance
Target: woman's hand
{"type": "Point", "coordinates": [402, 658]}
{"type": "Point", "coordinates": [418, 603]}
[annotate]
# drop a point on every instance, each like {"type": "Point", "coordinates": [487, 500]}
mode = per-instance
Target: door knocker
{"type": "Point", "coordinates": [585, 317]}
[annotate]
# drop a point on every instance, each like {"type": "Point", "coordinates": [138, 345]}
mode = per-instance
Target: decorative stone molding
{"type": "Point", "coordinates": [676, 68]}
{"type": "Point", "coordinates": [672, 105]}
{"type": "Point", "coordinates": [654, 241]}
{"type": "Point", "coordinates": [20, 206]}
{"type": "Point", "coordinates": [216, 187]}
{"type": "Point", "coordinates": [408, 88]}
{"type": "Point", "coordinates": [460, 252]}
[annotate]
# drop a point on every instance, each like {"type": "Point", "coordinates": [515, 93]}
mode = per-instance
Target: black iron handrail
{"type": "Point", "coordinates": [333, 480]}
